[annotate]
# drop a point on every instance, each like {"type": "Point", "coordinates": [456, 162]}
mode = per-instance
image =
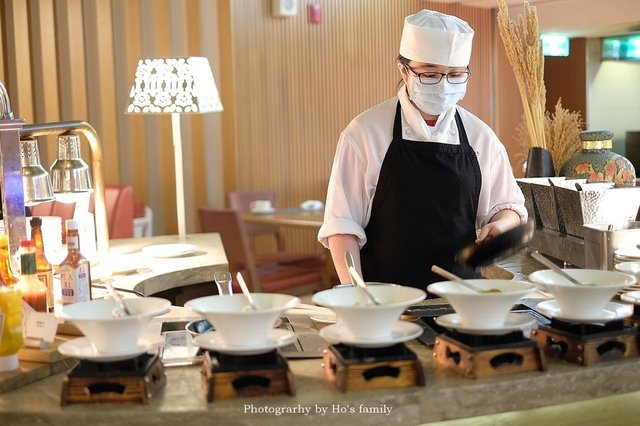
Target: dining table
{"type": "Point", "coordinates": [296, 216]}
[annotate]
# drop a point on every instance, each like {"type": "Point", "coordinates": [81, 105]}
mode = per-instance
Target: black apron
{"type": "Point", "coordinates": [424, 210]}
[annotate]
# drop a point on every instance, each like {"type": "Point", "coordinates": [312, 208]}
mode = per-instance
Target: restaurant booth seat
{"type": "Point", "coordinates": [267, 277]}
{"type": "Point", "coordinates": [241, 201]}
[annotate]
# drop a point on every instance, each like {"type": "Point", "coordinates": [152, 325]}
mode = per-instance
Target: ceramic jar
{"type": "Point", "coordinates": [597, 163]}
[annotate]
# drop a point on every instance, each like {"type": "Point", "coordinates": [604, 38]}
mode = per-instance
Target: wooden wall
{"type": "Point", "coordinates": [298, 84]}
{"type": "Point", "coordinates": [288, 87]}
{"type": "Point", "coordinates": [75, 60]}
{"type": "Point", "coordinates": [566, 78]}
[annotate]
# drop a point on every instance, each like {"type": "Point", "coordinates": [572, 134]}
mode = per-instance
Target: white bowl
{"type": "Point", "coordinates": [482, 310]}
{"type": "Point", "coordinates": [363, 319]}
{"type": "Point", "coordinates": [238, 324]}
{"type": "Point", "coordinates": [108, 333]}
{"type": "Point", "coordinates": [582, 302]}
{"type": "Point", "coordinates": [630, 268]}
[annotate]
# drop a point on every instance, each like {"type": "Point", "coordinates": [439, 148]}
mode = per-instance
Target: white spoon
{"type": "Point", "coordinates": [116, 296]}
{"type": "Point", "coordinates": [355, 276]}
{"type": "Point", "coordinates": [246, 291]}
{"type": "Point", "coordinates": [448, 275]}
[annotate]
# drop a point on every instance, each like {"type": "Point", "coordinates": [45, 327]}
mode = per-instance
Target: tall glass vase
{"type": "Point", "coordinates": [539, 163]}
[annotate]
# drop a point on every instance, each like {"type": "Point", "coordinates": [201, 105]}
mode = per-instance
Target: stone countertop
{"type": "Point", "coordinates": [446, 395]}
{"type": "Point", "coordinates": [131, 269]}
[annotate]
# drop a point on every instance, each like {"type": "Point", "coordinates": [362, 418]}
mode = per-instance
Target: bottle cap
{"type": "Point", "coordinates": [28, 244]}
{"type": "Point", "coordinates": [9, 362]}
{"type": "Point", "coordinates": [36, 221]}
{"type": "Point", "coordinates": [71, 224]}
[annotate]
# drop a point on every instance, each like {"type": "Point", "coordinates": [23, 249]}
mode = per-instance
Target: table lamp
{"type": "Point", "coordinates": [174, 86]}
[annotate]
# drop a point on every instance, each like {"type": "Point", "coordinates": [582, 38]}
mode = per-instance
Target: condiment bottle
{"type": "Point", "coordinates": [34, 291]}
{"type": "Point", "coordinates": [44, 270]}
{"type": "Point", "coordinates": [10, 326]}
{"type": "Point", "coordinates": [6, 273]}
{"type": "Point", "coordinates": [75, 274]}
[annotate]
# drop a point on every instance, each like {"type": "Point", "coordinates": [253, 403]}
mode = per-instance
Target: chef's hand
{"type": "Point", "coordinates": [500, 222]}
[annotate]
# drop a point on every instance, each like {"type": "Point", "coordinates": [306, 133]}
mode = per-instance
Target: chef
{"type": "Point", "coordinates": [414, 177]}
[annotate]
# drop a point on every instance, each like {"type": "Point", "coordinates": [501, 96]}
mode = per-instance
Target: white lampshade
{"type": "Point", "coordinates": [174, 85]}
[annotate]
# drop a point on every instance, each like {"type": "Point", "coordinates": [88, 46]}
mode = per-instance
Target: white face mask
{"type": "Point", "coordinates": [435, 99]}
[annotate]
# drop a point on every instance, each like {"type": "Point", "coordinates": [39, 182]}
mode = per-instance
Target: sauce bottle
{"type": "Point", "coordinates": [10, 326]}
{"type": "Point", "coordinates": [34, 291]}
{"type": "Point", "coordinates": [44, 270]}
{"type": "Point", "coordinates": [6, 273]}
{"type": "Point", "coordinates": [75, 274]}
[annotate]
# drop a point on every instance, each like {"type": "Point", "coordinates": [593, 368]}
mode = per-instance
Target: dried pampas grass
{"type": "Point", "coordinates": [524, 51]}
{"type": "Point", "coordinates": [562, 132]}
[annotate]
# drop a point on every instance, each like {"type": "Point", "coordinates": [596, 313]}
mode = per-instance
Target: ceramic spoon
{"type": "Point", "coordinates": [558, 270]}
{"type": "Point", "coordinates": [355, 276]}
{"type": "Point", "coordinates": [246, 291]}
{"type": "Point", "coordinates": [448, 275]}
{"type": "Point", "coordinates": [118, 299]}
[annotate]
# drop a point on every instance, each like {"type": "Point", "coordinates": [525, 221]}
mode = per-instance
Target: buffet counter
{"type": "Point", "coordinates": [445, 395]}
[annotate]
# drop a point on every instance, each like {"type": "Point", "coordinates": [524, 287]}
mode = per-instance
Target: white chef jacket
{"type": "Point", "coordinates": [363, 145]}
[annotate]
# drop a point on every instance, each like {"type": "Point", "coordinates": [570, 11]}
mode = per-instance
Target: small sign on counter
{"type": "Point", "coordinates": [39, 329]}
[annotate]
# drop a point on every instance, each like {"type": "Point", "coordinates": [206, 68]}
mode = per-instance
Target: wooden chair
{"type": "Point", "coordinates": [268, 277]}
{"type": "Point", "coordinates": [241, 201]}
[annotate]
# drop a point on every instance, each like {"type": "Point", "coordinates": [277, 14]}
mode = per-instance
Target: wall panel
{"type": "Point", "coordinates": [288, 87]}
{"type": "Point", "coordinates": [299, 84]}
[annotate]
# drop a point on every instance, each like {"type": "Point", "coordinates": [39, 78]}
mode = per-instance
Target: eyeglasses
{"type": "Point", "coordinates": [454, 77]}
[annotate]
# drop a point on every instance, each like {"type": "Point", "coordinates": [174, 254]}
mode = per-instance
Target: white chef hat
{"type": "Point", "coordinates": [435, 38]}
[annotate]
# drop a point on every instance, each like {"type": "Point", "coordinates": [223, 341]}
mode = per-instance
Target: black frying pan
{"type": "Point", "coordinates": [501, 246]}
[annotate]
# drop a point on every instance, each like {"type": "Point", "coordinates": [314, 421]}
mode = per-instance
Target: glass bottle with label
{"type": "Point", "coordinates": [10, 326]}
{"type": "Point", "coordinates": [75, 274]}
{"type": "Point", "coordinates": [44, 270]}
{"type": "Point", "coordinates": [34, 292]}
{"type": "Point", "coordinates": [6, 272]}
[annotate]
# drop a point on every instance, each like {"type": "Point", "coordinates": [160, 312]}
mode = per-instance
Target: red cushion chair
{"type": "Point", "coordinates": [119, 206]}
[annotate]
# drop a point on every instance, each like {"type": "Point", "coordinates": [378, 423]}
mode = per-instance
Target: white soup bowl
{"type": "Point", "coordinates": [109, 333]}
{"type": "Point", "coordinates": [582, 302]}
{"type": "Point", "coordinates": [239, 325]}
{"type": "Point", "coordinates": [479, 309]}
{"type": "Point", "coordinates": [363, 319]}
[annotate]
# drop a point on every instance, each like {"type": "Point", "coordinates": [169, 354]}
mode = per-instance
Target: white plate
{"type": "Point", "coordinates": [212, 340]}
{"type": "Point", "coordinates": [512, 323]}
{"type": "Point", "coordinates": [168, 250]}
{"type": "Point", "coordinates": [612, 311]}
{"type": "Point", "coordinates": [81, 348]}
{"type": "Point", "coordinates": [631, 297]}
{"type": "Point", "coordinates": [402, 332]}
{"type": "Point", "coordinates": [628, 252]}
